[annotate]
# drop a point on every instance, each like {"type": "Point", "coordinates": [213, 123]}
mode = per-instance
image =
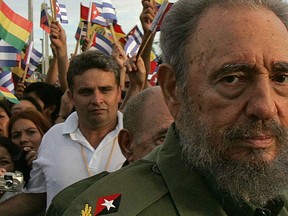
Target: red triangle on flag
{"type": "Point", "coordinates": [107, 204]}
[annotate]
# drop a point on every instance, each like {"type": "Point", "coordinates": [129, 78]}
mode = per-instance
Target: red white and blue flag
{"type": "Point", "coordinates": [32, 59]}
{"type": "Point", "coordinates": [45, 19]}
{"type": "Point", "coordinates": [108, 11]}
{"type": "Point", "coordinates": [103, 44]}
{"type": "Point", "coordinates": [61, 12]}
{"type": "Point", "coordinates": [8, 55]}
{"type": "Point", "coordinates": [133, 42]}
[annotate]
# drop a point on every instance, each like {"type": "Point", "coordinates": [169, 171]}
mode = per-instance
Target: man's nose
{"type": "Point", "coordinates": [262, 101]}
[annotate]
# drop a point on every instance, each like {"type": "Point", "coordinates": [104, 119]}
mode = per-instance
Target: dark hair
{"type": "Point", "coordinates": [89, 60]}
{"type": "Point", "coordinates": [33, 101]}
{"type": "Point", "coordinates": [40, 121]}
{"type": "Point", "coordinates": [49, 94]}
{"type": "Point", "coordinates": [5, 106]}
{"type": "Point", "coordinates": [17, 156]}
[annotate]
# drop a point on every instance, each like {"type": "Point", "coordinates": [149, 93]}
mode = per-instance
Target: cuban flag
{"type": "Point", "coordinates": [108, 11]}
{"type": "Point", "coordinates": [134, 41]}
{"type": "Point", "coordinates": [102, 44]}
{"type": "Point", "coordinates": [8, 55]}
{"type": "Point", "coordinates": [96, 14]}
{"type": "Point", "coordinates": [32, 58]}
{"type": "Point", "coordinates": [61, 12]}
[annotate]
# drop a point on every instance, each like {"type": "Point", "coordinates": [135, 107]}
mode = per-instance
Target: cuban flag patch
{"type": "Point", "coordinates": [107, 204]}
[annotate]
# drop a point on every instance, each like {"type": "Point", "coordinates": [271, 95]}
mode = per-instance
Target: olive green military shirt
{"type": "Point", "coordinates": [159, 185]}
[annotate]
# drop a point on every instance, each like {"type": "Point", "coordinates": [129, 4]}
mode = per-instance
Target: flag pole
{"type": "Point", "coordinates": [52, 5]}
{"type": "Point", "coordinates": [89, 22]}
{"type": "Point", "coordinates": [29, 51]}
{"type": "Point", "coordinates": [79, 39]}
{"type": "Point", "coordinates": [144, 43]}
{"type": "Point", "coordinates": [112, 32]}
{"type": "Point", "coordinates": [91, 41]}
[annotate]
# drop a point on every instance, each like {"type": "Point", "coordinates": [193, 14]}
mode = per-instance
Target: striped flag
{"type": "Point", "coordinates": [157, 21]}
{"type": "Point", "coordinates": [14, 29]}
{"type": "Point", "coordinates": [96, 14]}
{"type": "Point", "coordinates": [6, 79]}
{"type": "Point", "coordinates": [108, 11]}
{"type": "Point", "coordinates": [4, 92]}
{"type": "Point", "coordinates": [8, 55]}
{"type": "Point", "coordinates": [61, 12]}
{"type": "Point", "coordinates": [81, 32]}
{"type": "Point", "coordinates": [134, 40]}
{"type": "Point", "coordinates": [33, 59]}
{"type": "Point", "coordinates": [102, 44]}
{"type": "Point", "coordinates": [45, 18]}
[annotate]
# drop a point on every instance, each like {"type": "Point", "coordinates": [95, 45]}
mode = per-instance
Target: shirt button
{"type": "Point", "coordinates": [155, 169]}
{"type": "Point", "coordinates": [261, 212]}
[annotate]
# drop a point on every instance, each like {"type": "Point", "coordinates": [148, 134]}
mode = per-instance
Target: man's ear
{"type": "Point", "coordinates": [125, 139]}
{"type": "Point", "coordinates": [167, 81]}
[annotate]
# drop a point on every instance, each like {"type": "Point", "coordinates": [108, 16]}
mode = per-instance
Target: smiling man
{"type": "Point", "coordinates": [225, 81]}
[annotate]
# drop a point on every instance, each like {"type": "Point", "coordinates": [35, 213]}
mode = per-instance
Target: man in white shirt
{"type": "Point", "coordinates": [86, 143]}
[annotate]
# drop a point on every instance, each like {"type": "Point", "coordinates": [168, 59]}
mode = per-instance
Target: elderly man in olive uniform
{"type": "Point", "coordinates": [225, 81]}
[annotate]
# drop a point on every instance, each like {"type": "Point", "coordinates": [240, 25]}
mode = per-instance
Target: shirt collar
{"type": "Point", "coordinates": [71, 123]}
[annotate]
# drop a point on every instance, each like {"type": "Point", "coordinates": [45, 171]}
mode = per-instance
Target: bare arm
{"type": "Point", "coordinates": [52, 74]}
{"type": "Point", "coordinates": [146, 17]}
{"type": "Point", "coordinates": [58, 39]}
{"type": "Point", "coordinates": [24, 205]}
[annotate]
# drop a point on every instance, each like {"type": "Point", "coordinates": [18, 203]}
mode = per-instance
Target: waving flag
{"type": "Point", "coordinates": [134, 40]}
{"type": "Point", "coordinates": [32, 58]}
{"type": "Point", "coordinates": [6, 79]}
{"type": "Point", "coordinates": [45, 18]}
{"type": "Point", "coordinates": [61, 12]}
{"type": "Point", "coordinates": [4, 92]}
{"type": "Point", "coordinates": [108, 11]}
{"type": "Point", "coordinates": [81, 31]}
{"type": "Point", "coordinates": [102, 44]}
{"type": "Point", "coordinates": [96, 14]}
{"type": "Point", "coordinates": [157, 22]}
{"type": "Point", "coordinates": [14, 29]}
{"type": "Point", "coordinates": [8, 55]}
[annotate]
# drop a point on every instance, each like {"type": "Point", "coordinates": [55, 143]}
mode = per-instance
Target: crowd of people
{"type": "Point", "coordinates": [210, 140]}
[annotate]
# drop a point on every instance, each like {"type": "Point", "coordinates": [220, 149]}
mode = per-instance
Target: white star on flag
{"type": "Point", "coordinates": [108, 204]}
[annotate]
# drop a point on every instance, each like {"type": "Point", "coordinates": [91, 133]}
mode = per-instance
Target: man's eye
{"type": "Point", "coordinates": [281, 79]}
{"type": "Point", "coordinates": [231, 79]}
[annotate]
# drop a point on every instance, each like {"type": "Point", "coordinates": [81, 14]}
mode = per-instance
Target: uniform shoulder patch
{"type": "Point", "coordinates": [107, 204]}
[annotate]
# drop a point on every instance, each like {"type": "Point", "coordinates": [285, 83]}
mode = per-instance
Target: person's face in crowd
{"type": "Point", "coordinates": [95, 96]}
{"type": "Point", "coordinates": [232, 115]}
{"type": "Point", "coordinates": [39, 101]}
{"type": "Point", "coordinates": [4, 120]}
{"type": "Point", "coordinates": [6, 160]}
{"type": "Point", "coordinates": [24, 133]}
{"type": "Point", "coordinates": [152, 131]}
{"type": "Point", "coordinates": [22, 105]}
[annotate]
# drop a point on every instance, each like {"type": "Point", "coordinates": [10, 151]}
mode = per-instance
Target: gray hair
{"type": "Point", "coordinates": [182, 20]}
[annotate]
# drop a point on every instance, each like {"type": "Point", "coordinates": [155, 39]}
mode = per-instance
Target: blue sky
{"type": "Point", "coordinates": [128, 12]}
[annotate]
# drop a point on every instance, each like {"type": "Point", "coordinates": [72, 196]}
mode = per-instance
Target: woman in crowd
{"type": "Point", "coordinates": [26, 130]}
{"type": "Point", "coordinates": [26, 102]}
